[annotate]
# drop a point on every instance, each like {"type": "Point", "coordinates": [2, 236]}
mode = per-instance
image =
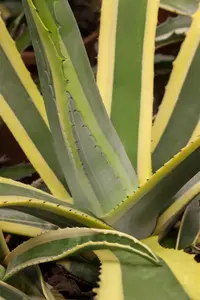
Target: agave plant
{"type": "Point", "coordinates": [118, 185]}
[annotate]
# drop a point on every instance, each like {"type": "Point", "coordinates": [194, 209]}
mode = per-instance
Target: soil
{"type": "Point", "coordinates": [69, 286]}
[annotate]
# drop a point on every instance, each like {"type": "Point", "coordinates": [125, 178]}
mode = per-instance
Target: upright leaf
{"type": "Point", "coordinates": [94, 162]}
{"type": "Point", "coordinates": [125, 74]}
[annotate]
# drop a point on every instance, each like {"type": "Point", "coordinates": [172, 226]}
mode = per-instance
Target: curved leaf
{"type": "Point", "coordinates": [24, 198]}
{"type": "Point", "coordinates": [55, 212]}
{"type": "Point", "coordinates": [71, 241]}
{"type": "Point", "coordinates": [114, 250]}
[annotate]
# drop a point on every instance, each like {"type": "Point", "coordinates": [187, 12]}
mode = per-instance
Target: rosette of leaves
{"type": "Point", "coordinates": [118, 185]}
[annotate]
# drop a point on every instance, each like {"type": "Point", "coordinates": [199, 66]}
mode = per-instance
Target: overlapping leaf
{"type": "Point", "coordinates": [70, 241]}
{"type": "Point", "coordinates": [25, 115]}
{"type": "Point", "coordinates": [15, 222]}
{"type": "Point", "coordinates": [26, 198]}
{"type": "Point", "coordinates": [125, 74]}
{"type": "Point", "coordinates": [114, 250]}
{"type": "Point", "coordinates": [178, 204]}
{"type": "Point", "coordinates": [176, 124]}
{"type": "Point", "coordinates": [139, 213]}
{"type": "Point", "coordinates": [95, 164]}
